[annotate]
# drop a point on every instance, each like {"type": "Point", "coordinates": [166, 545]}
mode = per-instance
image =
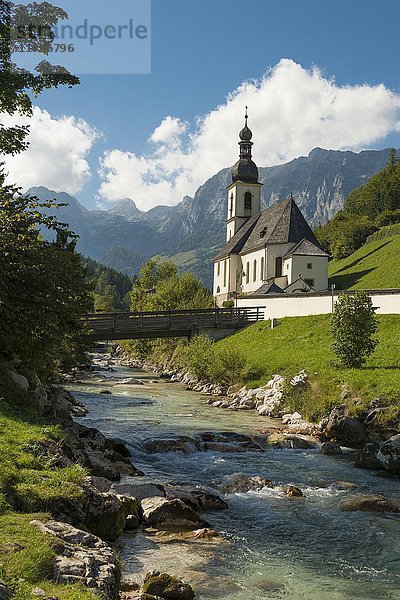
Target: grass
{"type": "Point", "coordinates": [29, 487]}
{"type": "Point", "coordinates": [373, 266]}
{"type": "Point", "coordinates": [304, 343]}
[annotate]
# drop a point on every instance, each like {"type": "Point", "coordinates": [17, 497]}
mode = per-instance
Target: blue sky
{"type": "Point", "coordinates": [202, 51]}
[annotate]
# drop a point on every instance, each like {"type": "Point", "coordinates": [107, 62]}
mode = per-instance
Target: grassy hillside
{"type": "Point", "coordinates": [304, 343]}
{"type": "Point", "coordinates": [374, 266]}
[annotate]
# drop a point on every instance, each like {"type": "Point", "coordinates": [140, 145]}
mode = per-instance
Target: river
{"type": "Point", "coordinates": [276, 547]}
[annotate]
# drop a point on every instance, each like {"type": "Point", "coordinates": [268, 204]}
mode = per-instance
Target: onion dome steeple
{"type": "Point", "coordinates": [245, 169]}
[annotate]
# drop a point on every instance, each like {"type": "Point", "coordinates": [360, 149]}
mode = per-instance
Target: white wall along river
{"type": "Point", "coordinates": [277, 547]}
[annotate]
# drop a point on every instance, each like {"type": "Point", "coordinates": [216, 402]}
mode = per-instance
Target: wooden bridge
{"type": "Point", "coordinates": [216, 323]}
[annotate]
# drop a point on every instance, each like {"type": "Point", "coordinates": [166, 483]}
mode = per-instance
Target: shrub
{"type": "Point", "coordinates": [197, 356]}
{"type": "Point", "coordinates": [228, 366]}
{"type": "Point", "coordinates": [353, 323]}
{"type": "Point", "coordinates": [228, 304]}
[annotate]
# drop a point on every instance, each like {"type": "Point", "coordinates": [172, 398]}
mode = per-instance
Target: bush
{"type": "Point", "coordinates": [228, 304]}
{"type": "Point", "coordinates": [353, 323]}
{"type": "Point", "coordinates": [228, 366]}
{"type": "Point", "coordinates": [196, 357]}
{"type": "Point", "coordinates": [388, 217]}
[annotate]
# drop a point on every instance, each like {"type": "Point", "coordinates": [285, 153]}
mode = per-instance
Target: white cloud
{"type": "Point", "coordinates": [56, 157]}
{"type": "Point", "coordinates": [292, 110]}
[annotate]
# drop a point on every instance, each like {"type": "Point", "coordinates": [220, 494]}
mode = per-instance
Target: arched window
{"type": "Point", "coordinates": [231, 205]}
{"type": "Point", "coordinates": [224, 273]}
{"type": "Point", "coordinates": [247, 201]}
{"type": "Point", "coordinates": [218, 290]}
{"type": "Point", "coordinates": [218, 268]}
{"type": "Point", "coordinates": [278, 266]}
{"type": "Point", "coordinates": [262, 269]}
{"type": "Point", "coordinates": [248, 272]}
{"type": "Point", "coordinates": [255, 270]}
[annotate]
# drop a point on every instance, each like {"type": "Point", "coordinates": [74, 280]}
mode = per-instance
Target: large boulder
{"type": "Point", "coordinates": [371, 504]}
{"type": "Point", "coordinates": [162, 513]}
{"type": "Point", "coordinates": [345, 430]}
{"type": "Point", "coordinates": [197, 498]}
{"type": "Point", "coordinates": [106, 513]}
{"type": "Point", "coordinates": [139, 490]}
{"type": "Point", "coordinates": [83, 559]}
{"type": "Point", "coordinates": [172, 443]}
{"type": "Point", "coordinates": [388, 455]}
{"type": "Point", "coordinates": [165, 586]}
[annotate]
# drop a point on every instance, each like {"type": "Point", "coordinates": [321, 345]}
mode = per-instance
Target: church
{"type": "Point", "coordinates": [273, 251]}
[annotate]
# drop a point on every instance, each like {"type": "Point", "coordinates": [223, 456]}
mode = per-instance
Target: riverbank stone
{"type": "Point", "coordinates": [163, 513]}
{"type": "Point", "coordinates": [345, 430]}
{"type": "Point", "coordinates": [5, 592]}
{"type": "Point", "coordinates": [83, 559]}
{"type": "Point", "coordinates": [140, 491]}
{"type": "Point", "coordinates": [166, 586]}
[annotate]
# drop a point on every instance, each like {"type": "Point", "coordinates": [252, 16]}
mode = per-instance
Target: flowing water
{"type": "Point", "coordinates": [275, 547]}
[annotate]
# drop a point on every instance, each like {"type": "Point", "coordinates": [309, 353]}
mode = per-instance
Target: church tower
{"type": "Point", "coordinates": [244, 193]}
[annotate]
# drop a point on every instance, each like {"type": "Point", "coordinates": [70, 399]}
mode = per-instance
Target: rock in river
{"type": "Point", "coordinates": [172, 443]}
{"type": "Point", "coordinates": [371, 504]}
{"type": "Point", "coordinates": [197, 498]}
{"type": "Point", "coordinates": [162, 513]}
{"type": "Point", "coordinates": [388, 455]}
{"type": "Point", "coordinates": [165, 586]}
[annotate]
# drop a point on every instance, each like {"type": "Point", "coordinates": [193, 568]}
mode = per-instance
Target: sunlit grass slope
{"type": "Point", "coordinates": [305, 343]}
{"type": "Point", "coordinates": [375, 265]}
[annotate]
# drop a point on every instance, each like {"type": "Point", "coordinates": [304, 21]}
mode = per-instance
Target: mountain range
{"type": "Point", "coordinates": [190, 233]}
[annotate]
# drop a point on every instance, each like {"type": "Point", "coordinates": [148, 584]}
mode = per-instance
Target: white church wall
{"type": "Point", "coordinates": [273, 251]}
{"type": "Point", "coordinates": [257, 259]}
{"type": "Point", "coordinates": [313, 268]}
{"type": "Point", "coordinates": [385, 301]}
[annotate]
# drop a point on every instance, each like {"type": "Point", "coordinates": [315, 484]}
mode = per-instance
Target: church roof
{"type": "Point", "coordinates": [279, 224]}
{"type": "Point", "coordinates": [269, 288]}
{"type": "Point", "coordinates": [306, 248]}
{"type": "Point", "coordinates": [237, 241]}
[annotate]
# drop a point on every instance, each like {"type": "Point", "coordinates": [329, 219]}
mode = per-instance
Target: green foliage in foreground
{"type": "Point", "coordinates": [353, 324]}
{"type": "Point", "coordinates": [305, 343]}
{"type": "Point", "coordinates": [43, 291]}
{"type": "Point", "coordinates": [30, 483]}
{"type": "Point", "coordinates": [374, 266]}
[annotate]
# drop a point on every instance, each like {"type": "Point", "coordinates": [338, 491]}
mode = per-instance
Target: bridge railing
{"type": "Point", "coordinates": [172, 320]}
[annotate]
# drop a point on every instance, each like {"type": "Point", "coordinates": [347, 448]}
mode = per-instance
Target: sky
{"type": "Point", "coordinates": [313, 73]}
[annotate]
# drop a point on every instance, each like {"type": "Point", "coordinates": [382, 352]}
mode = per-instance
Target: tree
{"type": "Point", "coordinates": [16, 84]}
{"type": "Point", "coordinates": [43, 289]}
{"type": "Point", "coordinates": [353, 324]}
